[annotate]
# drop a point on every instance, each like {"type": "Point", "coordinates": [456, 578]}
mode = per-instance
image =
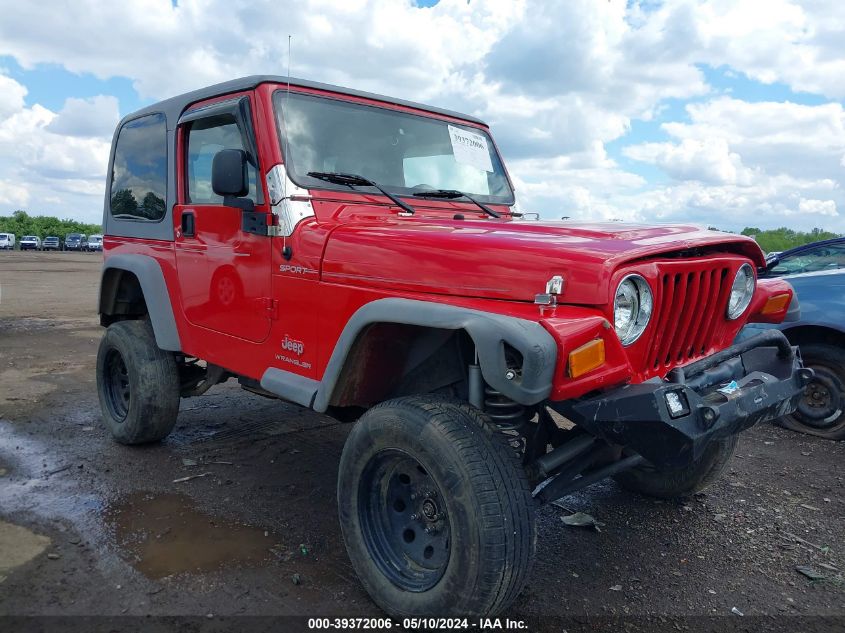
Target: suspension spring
{"type": "Point", "coordinates": [504, 412]}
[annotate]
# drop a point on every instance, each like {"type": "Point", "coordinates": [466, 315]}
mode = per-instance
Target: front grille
{"type": "Point", "coordinates": [690, 306]}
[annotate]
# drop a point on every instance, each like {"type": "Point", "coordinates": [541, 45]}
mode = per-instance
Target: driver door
{"type": "Point", "coordinates": [224, 272]}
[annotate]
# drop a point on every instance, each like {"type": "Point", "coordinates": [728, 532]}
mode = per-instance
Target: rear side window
{"type": "Point", "coordinates": [206, 137]}
{"type": "Point", "coordinates": [139, 173]}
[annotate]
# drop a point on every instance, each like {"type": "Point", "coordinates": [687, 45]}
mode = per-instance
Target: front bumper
{"type": "Point", "coordinates": [759, 379]}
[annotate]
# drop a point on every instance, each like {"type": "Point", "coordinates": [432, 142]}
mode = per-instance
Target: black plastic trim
{"type": "Point", "coordinates": [148, 272]}
{"type": "Point", "coordinates": [755, 382]}
{"type": "Point", "coordinates": [488, 331]}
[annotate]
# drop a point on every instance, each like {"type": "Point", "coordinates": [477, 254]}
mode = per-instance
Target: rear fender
{"type": "Point", "coordinates": [151, 278]}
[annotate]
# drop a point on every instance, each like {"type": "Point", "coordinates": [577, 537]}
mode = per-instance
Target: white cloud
{"type": "Point", "coordinates": [13, 194]}
{"type": "Point", "coordinates": [819, 207]}
{"type": "Point", "coordinates": [94, 117]}
{"type": "Point", "coordinates": [559, 82]}
{"type": "Point", "coordinates": [11, 96]}
{"type": "Point", "coordinates": [167, 49]}
{"type": "Point", "coordinates": [40, 166]}
{"type": "Point", "coordinates": [708, 160]}
{"type": "Point", "coordinates": [767, 162]}
{"type": "Point", "coordinates": [798, 43]}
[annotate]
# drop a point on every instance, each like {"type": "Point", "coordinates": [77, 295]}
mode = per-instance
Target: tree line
{"type": "Point", "coordinates": [783, 238]}
{"type": "Point", "coordinates": [21, 223]}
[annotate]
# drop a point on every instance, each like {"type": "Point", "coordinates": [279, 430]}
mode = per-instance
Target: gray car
{"type": "Point", "coordinates": [819, 332]}
{"type": "Point", "coordinates": [51, 243]}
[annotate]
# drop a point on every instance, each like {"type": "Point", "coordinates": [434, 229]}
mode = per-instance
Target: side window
{"type": "Point", "coordinates": [829, 257]}
{"type": "Point", "coordinates": [206, 137]}
{"type": "Point", "coordinates": [139, 172]}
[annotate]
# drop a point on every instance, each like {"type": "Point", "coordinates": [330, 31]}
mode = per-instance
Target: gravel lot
{"type": "Point", "coordinates": [91, 527]}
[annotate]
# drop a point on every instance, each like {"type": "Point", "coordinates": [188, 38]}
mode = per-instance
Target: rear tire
{"type": "Point", "coordinates": [669, 484]}
{"type": "Point", "coordinates": [138, 384]}
{"type": "Point", "coordinates": [821, 411]}
{"type": "Point", "coordinates": [426, 462]}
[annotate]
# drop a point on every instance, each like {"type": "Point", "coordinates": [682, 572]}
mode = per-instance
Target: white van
{"type": "Point", "coordinates": [30, 243]}
{"type": "Point", "coordinates": [7, 241]}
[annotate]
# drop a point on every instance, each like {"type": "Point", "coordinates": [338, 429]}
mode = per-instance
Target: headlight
{"type": "Point", "coordinates": [632, 308]}
{"type": "Point", "coordinates": [742, 291]}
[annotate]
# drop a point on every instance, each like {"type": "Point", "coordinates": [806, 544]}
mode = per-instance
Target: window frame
{"type": "Point", "coordinates": [238, 108]}
{"type": "Point", "coordinates": [165, 146]}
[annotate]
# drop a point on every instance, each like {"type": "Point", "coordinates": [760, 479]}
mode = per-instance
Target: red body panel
{"type": "Point", "coordinates": [356, 249]}
{"type": "Point", "coordinates": [504, 260]}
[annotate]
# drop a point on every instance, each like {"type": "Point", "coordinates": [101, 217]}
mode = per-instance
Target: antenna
{"type": "Point", "coordinates": [288, 94]}
{"type": "Point", "coordinates": [286, 110]}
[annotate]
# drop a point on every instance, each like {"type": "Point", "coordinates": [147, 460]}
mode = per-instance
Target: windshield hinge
{"type": "Point", "coordinates": [554, 287]}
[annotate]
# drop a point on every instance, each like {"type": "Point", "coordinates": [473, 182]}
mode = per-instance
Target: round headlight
{"type": "Point", "coordinates": [742, 291]}
{"type": "Point", "coordinates": [632, 308]}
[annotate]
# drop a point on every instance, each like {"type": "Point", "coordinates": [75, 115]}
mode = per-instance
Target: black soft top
{"type": "Point", "coordinates": [175, 106]}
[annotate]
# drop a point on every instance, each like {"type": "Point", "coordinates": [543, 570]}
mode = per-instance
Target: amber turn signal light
{"type": "Point", "coordinates": [775, 304]}
{"type": "Point", "coordinates": [586, 358]}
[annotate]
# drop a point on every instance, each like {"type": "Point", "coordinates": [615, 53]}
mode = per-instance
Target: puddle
{"type": "Point", "coordinates": [18, 546]}
{"type": "Point", "coordinates": [16, 385]}
{"type": "Point", "coordinates": [166, 534]}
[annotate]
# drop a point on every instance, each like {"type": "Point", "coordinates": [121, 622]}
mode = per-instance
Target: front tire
{"type": "Point", "coordinates": [821, 410]}
{"type": "Point", "coordinates": [138, 384]}
{"type": "Point", "coordinates": [670, 484]}
{"type": "Point", "coordinates": [435, 509]}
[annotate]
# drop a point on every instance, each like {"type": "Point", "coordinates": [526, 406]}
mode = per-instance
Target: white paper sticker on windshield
{"type": "Point", "coordinates": [470, 148]}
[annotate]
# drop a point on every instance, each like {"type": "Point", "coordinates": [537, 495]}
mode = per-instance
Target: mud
{"type": "Point", "coordinates": [166, 534]}
{"type": "Point", "coordinates": [126, 540]}
{"type": "Point", "coordinates": [18, 546]}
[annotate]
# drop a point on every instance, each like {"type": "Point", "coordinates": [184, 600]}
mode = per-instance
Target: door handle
{"type": "Point", "coordinates": [188, 224]}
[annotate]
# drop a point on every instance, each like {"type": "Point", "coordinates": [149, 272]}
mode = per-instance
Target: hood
{"type": "Point", "coordinates": [508, 260]}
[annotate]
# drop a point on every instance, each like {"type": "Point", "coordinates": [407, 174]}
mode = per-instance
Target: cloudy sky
{"type": "Point", "coordinates": [723, 112]}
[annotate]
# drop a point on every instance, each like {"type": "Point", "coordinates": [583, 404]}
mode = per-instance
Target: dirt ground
{"type": "Point", "coordinates": [91, 527]}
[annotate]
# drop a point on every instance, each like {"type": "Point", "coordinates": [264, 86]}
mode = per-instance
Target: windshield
{"type": "Point", "coordinates": [74, 236]}
{"type": "Point", "coordinates": [95, 238]}
{"type": "Point", "coordinates": [29, 238]}
{"type": "Point", "coordinates": [405, 153]}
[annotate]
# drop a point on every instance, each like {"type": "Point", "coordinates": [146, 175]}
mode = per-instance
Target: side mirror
{"type": "Point", "coordinates": [228, 173]}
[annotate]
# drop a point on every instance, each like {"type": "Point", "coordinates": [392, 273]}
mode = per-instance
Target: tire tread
{"type": "Point", "coordinates": [501, 486]}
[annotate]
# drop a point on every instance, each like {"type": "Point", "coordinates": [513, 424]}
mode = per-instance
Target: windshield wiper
{"type": "Point", "coordinates": [451, 194]}
{"type": "Point", "coordinates": [354, 180]}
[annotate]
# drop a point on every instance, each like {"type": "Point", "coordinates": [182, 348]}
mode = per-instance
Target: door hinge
{"type": "Point", "coordinates": [272, 308]}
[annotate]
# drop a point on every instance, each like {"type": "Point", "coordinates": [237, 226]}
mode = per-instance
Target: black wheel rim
{"type": "Point", "coordinates": [117, 391]}
{"type": "Point", "coordinates": [821, 404]}
{"type": "Point", "coordinates": [404, 521]}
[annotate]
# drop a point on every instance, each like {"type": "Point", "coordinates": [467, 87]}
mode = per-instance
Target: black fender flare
{"type": "Point", "coordinates": [489, 332]}
{"type": "Point", "coordinates": [149, 274]}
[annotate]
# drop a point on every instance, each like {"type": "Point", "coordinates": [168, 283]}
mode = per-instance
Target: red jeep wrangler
{"type": "Point", "coordinates": [362, 256]}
